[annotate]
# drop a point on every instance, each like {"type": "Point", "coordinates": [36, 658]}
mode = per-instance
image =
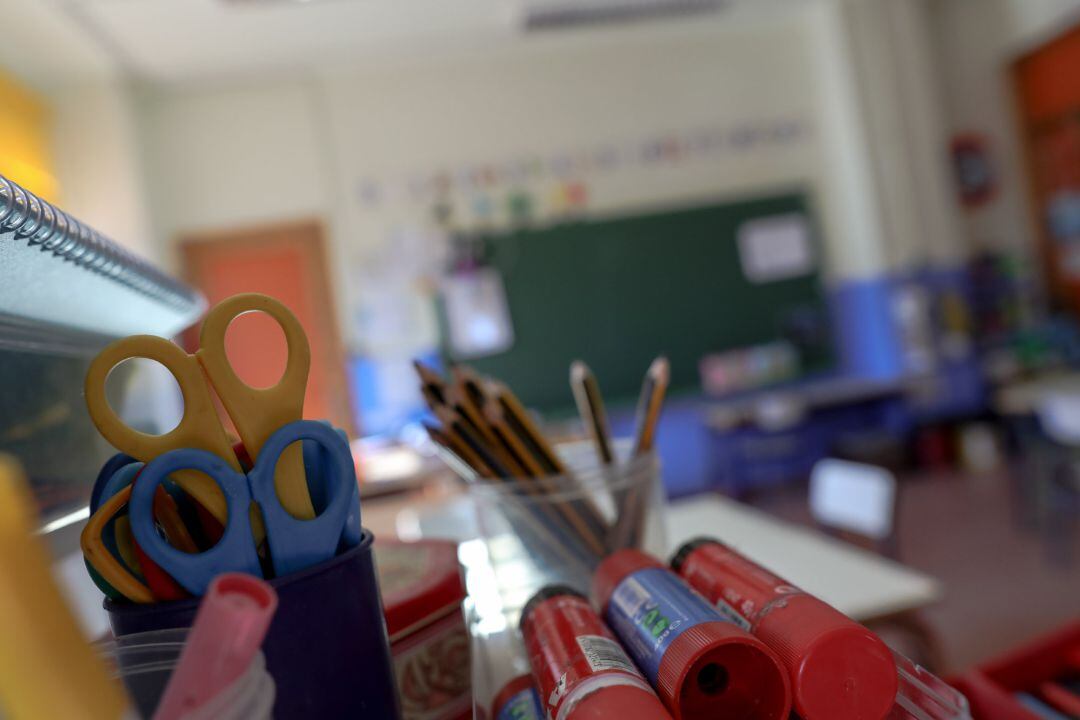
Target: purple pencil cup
{"type": "Point", "coordinates": [327, 647]}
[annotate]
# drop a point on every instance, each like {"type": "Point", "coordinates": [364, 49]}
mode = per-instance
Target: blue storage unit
{"type": "Point", "coordinates": [747, 458]}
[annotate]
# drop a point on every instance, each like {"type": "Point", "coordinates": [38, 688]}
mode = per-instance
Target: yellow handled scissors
{"type": "Point", "coordinates": [256, 412]}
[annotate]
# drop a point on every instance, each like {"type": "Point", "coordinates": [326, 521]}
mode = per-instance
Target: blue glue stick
{"type": "Point", "coordinates": [518, 701]}
{"type": "Point", "coordinates": [702, 665]}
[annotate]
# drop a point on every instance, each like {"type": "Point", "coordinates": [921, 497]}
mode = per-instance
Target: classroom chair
{"type": "Point", "coordinates": [1055, 491]}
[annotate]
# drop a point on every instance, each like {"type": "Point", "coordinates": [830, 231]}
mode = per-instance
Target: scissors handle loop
{"type": "Point", "coordinates": [198, 428]}
{"type": "Point", "coordinates": [244, 403]}
{"type": "Point", "coordinates": [235, 551]}
{"type": "Point", "coordinates": [296, 544]}
{"type": "Point", "coordinates": [258, 412]}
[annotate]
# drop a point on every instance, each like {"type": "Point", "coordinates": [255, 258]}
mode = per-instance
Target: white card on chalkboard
{"type": "Point", "coordinates": [776, 248]}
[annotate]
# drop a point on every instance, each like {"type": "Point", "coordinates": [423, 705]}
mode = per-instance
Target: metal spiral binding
{"type": "Point", "coordinates": [37, 222]}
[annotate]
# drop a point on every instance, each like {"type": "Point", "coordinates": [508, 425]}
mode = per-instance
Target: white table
{"type": "Point", "coordinates": [857, 582]}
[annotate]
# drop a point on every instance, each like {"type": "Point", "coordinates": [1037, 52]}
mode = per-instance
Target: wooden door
{"type": "Point", "coordinates": [1048, 100]}
{"type": "Point", "coordinates": [288, 262]}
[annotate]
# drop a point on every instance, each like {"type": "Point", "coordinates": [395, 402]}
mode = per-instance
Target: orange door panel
{"type": "Point", "coordinates": [288, 262]}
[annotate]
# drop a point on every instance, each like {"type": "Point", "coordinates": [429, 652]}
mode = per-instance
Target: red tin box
{"type": "Point", "coordinates": [422, 591]}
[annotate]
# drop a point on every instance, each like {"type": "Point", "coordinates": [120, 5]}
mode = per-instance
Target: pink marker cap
{"type": "Point", "coordinates": [229, 629]}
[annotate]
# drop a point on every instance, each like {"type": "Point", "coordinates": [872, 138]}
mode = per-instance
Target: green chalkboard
{"type": "Point", "coordinates": [617, 292]}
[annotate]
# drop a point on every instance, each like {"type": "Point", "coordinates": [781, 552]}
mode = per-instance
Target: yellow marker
{"type": "Point", "coordinates": [47, 670]}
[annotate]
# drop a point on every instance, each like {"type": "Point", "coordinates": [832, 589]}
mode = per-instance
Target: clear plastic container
{"type": "Point", "coordinates": [924, 696]}
{"type": "Point", "coordinates": [555, 530]}
{"type": "Point", "coordinates": [145, 661]}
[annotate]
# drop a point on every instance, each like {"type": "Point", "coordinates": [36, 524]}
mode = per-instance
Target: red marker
{"type": "Point", "coordinates": [702, 665]}
{"type": "Point", "coordinates": [839, 670]}
{"type": "Point", "coordinates": [581, 671]}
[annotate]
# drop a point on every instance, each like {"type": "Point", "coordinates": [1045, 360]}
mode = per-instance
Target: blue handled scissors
{"type": "Point", "coordinates": [294, 544]}
{"type": "Point", "coordinates": [315, 462]}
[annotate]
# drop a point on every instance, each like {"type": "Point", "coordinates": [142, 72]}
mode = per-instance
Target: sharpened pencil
{"type": "Point", "coordinates": [590, 406]}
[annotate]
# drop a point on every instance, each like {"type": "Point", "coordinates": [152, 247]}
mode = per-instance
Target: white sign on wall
{"type": "Point", "coordinates": [776, 248]}
{"type": "Point", "coordinates": [477, 313]}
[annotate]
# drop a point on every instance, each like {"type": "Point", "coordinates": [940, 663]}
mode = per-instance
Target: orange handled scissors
{"type": "Point", "coordinates": [256, 412]}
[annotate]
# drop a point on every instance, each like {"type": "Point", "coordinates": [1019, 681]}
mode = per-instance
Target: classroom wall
{"type": "Point", "coordinates": [232, 155]}
{"type": "Point", "coordinates": [975, 42]}
{"type": "Point", "coordinates": [93, 134]}
{"type": "Point", "coordinates": [869, 142]}
{"type": "Point", "coordinates": [564, 95]}
{"type": "Point", "coordinates": [247, 152]}
{"type": "Point", "coordinates": [1031, 21]}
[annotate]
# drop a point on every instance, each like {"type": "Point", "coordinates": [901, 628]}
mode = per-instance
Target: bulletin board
{"type": "Point", "coordinates": [617, 292]}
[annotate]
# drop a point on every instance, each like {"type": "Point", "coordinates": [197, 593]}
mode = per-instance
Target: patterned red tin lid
{"type": "Point", "coordinates": [420, 582]}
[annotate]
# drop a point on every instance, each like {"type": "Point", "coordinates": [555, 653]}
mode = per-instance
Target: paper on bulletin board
{"type": "Point", "coordinates": [477, 313]}
{"type": "Point", "coordinates": [776, 248]}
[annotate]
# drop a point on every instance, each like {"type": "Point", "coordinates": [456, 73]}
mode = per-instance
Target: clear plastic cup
{"type": "Point", "coordinates": [556, 530]}
{"type": "Point", "coordinates": [145, 661]}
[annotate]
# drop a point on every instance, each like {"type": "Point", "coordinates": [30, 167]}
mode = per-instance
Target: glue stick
{"type": "Point", "coordinates": [839, 670]}
{"type": "Point", "coordinates": [581, 671]}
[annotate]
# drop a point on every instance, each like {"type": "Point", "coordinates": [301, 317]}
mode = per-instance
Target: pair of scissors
{"type": "Point", "coordinates": [256, 412]}
{"type": "Point", "coordinates": [294, 543]}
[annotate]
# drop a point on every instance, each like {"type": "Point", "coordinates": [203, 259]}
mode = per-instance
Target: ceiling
{"type": "Point", "coordinates": [185, 40]}
{"type": "Point", "coordinates": [182, 39]}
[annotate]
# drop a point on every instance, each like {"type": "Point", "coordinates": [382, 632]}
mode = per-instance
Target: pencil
{"type": "Point", "coordinates": [456, 427]}
{"type": "Point", "coordinates": [590, 406]}
{"type": "Point", "coordinates": [457, 399]}
{"type": "Point", "coordinates": [563, 514]}
{"type": "Point", "coordinates": [627, 530]}
{"type": "Point", "coordinates": [517, 417]}
{"type": "Point", "coordinates": [518, 421]}
{"type": "Point", "coordinates": [468, 380]}
{"type": "Point", "coordinates": [432, 384]}
{"type": "Point", "coordinates": [649, 404]}
{"type": "Point", "coordinates": [457, 455]}
{"type": "Point", "coordinates": [496, 420]}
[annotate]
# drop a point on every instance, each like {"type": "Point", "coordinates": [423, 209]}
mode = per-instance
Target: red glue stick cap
{"type": "Point", "coordinates": [839, 669]}
{"type": "Point", "coordinates": [620, 702]}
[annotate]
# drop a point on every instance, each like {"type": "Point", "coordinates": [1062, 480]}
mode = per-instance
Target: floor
{"type": "Point", "coordinates": [1007, 576]}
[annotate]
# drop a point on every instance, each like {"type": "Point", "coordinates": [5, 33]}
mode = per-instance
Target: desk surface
{"type": "Point", "coordinates": [855, 581]}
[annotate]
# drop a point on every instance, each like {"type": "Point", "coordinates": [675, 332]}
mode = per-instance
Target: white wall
{"type": "Point", "coordinates": [1032, 21]}
{"type": "Point", "coordinates": [973, 44]}
{"type": "Point", "coordinates": [94, 123]}
{"type": "Point", "coordinates": [247, 153]}
{"type": "Point", "coordinates": [870, 148]}
{"type": "Point", "coordinates": [235, 155]}
{"type": "Point", "coordinates": [98, 164]}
